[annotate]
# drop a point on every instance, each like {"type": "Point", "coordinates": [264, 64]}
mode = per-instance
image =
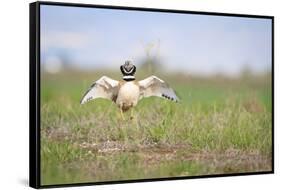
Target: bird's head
{"type": "Point", "coordinates": [128, 70]}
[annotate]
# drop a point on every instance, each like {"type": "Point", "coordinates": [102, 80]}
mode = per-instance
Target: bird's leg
{"type": "Point", "coordinates": [121, 113]}
{"type": "Point", "coordinates": [134, 116]}
{"type": "Point", "coordinates": [132, 113]}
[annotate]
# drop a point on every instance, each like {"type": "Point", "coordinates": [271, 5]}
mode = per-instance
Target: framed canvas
{"type": "Point", "coordinates": [126, 94]}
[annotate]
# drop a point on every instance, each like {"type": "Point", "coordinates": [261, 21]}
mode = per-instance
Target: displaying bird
{"type": "Point", "coordinates": [128, 92]}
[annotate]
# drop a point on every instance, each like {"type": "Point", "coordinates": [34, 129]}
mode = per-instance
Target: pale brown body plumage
{"type": "Point", "coordinates": [128, 95]}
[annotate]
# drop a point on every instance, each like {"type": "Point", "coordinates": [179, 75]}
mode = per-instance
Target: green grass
{"type": "Point", "coordinates": [220, 126]}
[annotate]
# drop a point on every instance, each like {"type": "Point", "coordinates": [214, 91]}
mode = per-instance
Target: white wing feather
{"type": "Point", "coordinates": [154, 86]}
{"type": "Point", "coordinates": [105, 87]}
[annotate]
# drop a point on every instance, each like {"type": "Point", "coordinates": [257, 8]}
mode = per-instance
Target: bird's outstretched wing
{"type": "Point", "coordinates": [105, 87]}
{"type": "Point", "coordinates": [154, 86]}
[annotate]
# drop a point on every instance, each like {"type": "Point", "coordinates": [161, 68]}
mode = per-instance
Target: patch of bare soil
{"type": "Point", "coordinates": [232, 160]}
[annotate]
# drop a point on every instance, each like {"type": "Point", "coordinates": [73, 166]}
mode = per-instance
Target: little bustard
{"type": "Point", "coordinates": [128, 92]}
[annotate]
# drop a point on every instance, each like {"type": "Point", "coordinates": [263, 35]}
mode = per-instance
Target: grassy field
{"type": "Point", "coordinates": [220, 126]}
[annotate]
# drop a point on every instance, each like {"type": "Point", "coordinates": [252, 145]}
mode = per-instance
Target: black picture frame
{"type": "Point", "coordinates": [34, 92]}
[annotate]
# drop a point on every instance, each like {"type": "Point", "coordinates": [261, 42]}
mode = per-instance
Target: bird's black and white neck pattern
{"type": "Point", "coordinates": [128, 78]}
{"type": "Point", "coordinates": [128, 69]}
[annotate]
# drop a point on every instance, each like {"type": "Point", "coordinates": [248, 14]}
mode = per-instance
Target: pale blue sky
{"type": "Point", "coordinates": [203, 44]}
